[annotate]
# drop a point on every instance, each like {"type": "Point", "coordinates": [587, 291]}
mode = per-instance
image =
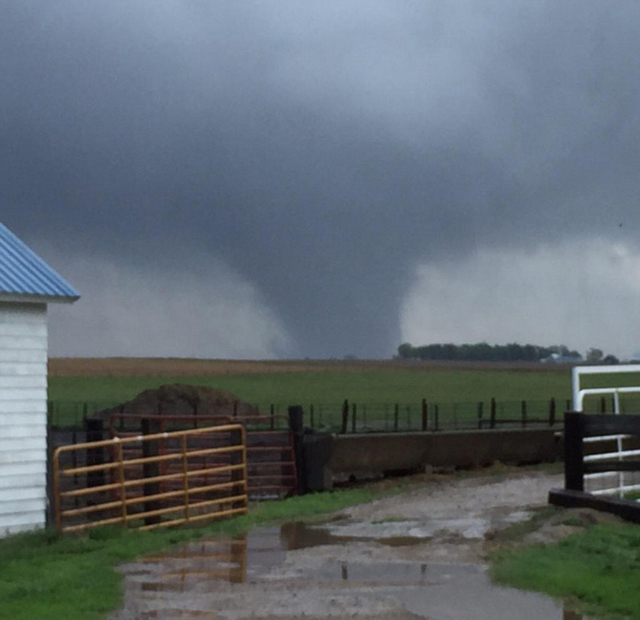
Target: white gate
{"type": "Point", "coordinates": [611, 482]}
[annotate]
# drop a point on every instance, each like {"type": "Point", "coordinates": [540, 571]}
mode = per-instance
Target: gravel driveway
{"type": "Point", "coordinates": [419, 554]}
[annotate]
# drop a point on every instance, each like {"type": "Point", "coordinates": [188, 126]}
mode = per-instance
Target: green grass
{"type": "Point", "coordinates": [377, 390]}
{"type": "Point", "coordinates": [375, 387]}
{"type": "Point", "coordinates": [599, 570]}
{"type": "Point", "coordinates": [362, 386]}
{"type": "Point", "coordinates": [456, 392]}
{"type": "Point", "coordinates": [46, 577]}
{"type": "Point", "coordinates": [359, 385]}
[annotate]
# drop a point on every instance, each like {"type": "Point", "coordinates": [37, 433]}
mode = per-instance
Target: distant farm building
{"type": "Point", "coordinates": [556, 358]}
{"type": "Point", "coordinates": [27, 285]}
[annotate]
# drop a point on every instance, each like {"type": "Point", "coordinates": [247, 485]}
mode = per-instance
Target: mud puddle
{"type": "Point", "coordinates": [405, 531]}
{"type": "Point", "coordinates": [296, 571]}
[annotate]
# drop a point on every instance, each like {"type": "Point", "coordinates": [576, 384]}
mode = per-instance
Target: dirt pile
{"type": "Point", "coordinates": [565, 522]}
{"type": "Point", "coordinates": [183, 400]}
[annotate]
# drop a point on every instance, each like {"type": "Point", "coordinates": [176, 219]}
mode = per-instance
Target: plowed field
{"type": "Point", "coordinates": [178, 367]}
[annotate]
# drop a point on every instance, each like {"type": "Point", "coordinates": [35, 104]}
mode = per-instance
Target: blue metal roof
{"type": "Point", "coordinates": [23, 272]}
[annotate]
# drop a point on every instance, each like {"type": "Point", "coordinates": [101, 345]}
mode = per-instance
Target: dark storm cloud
{"type": "Point", "coordinates": [319, 150]}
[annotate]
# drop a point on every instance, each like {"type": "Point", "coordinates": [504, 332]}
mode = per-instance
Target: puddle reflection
{"type": "Point", "coordinates": [302, 536]}
{"type": "Point", "coordinates": [213, 560]}
{"type": "Point", "coordinates": [426, 589]}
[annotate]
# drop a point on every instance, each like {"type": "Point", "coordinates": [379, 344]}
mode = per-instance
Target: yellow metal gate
{"type": "Point", "coordinates": [271, 463]}
{"type": "Point", "coordinates": [151, 481]}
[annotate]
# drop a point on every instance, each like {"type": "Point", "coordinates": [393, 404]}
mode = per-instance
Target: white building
{"type": "Point", "coordinates": [27, 285]}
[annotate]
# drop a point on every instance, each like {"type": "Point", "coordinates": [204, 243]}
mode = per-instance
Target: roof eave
{"type": "Point", "coordinates": [38, 299]}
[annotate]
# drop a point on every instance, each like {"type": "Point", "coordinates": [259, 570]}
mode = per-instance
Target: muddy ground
{"type": "Point", "coordinates": [418, 554]}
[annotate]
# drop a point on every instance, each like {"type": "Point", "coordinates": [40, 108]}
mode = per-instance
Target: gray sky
{"type": "Point", "coordinates": [286, 178]}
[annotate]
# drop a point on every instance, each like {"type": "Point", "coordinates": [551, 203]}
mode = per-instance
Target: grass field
{"type": "Point", "coordinates": [598, 570]}
{"type": "Point", "coordinates": [372, 387]}
{"type": "Point", "coordinates": [377, 385]}
{"type": "Point", "coordinates": [310, 381]}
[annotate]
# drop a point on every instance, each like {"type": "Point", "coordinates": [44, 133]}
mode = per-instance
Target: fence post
{"type": "Point", "coordinates": [437, 418]}
{"type": "Point", "coordinates": [238, 457]}
{"type": "Point", "coordinates": [552, 412]}
{"type": "Point", "coordinates": [150, 449]}
{"type": "Point", "coordinates": [57, 503]}
{"type": "Point", "coordinates": [121, 481]}
{"type": "Point", "coordinates": [354, 411]}
{"type": "Point", "coordinates": [345, 417]}
{"type": "Point", "coordinates": [603, 404]}
{"type": "Point", "coordinates": [312, 423]}
{"type": "Point", "coordinates": [74, 461]}
{"type": "Point", "coordinates": [51, 496]}
{"type": "Point", "coordinates": [296, 426]}
{"type": "Point", "coordinates": [523, 410]}
{"type": "Point", "coordinates": [272, 414]}
{"type": "Point", "coordinates": [185, 475]}
{"type": "Point", "coordinates": [492, 419]}
{"type": "Point", "coordinates": [396, 411]}
{"type": "Point", "coordinates": [94, 428]}
{"type": "Point", "coordinates": [574, 424]}
{"type": "Point", "coordinates": [480, 414]}
{"type": "Point", "coordinates": [425, 415]}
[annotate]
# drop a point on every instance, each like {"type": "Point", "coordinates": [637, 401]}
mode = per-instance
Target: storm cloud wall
{"type": "Point", "coordinates": [256, 179]}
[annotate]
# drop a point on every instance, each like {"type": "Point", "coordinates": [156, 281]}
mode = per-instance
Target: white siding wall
{"type": "Point", "coordinates": [23, 416]}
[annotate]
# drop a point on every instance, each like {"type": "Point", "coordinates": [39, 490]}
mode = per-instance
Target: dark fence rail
{"type": "Point", "coordinates": [577, 428]}
{"type": "Point", "coordinates": [580, 425]}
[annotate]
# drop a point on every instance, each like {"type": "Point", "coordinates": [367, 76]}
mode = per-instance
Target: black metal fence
{"type": "Point", "coordinates": [361, 417]}
{"type": "Point", "coordinates": [358, 417]}
{"type": "Point", "coordinates": [426, 416]}
{"type": "Point", "coordinates": [349, 416]}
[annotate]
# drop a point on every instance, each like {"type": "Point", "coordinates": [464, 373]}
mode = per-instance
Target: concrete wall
{"type": "Point", "coordinates": [23, 416]}
{"type": "Point", "coordinates": [340, 455]}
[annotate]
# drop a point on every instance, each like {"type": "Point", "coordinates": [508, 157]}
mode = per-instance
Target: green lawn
{"type": "Point", "coordinates": [598, 569]}
{"type": "Point", "coordinates": [44, 577]}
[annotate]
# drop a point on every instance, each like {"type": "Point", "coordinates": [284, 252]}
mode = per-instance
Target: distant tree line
{"type": "Point", "coordinates": [483, 351]}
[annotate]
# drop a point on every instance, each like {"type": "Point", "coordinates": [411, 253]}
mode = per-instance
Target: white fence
{"type": "Point", "coordinates": [610, 482]}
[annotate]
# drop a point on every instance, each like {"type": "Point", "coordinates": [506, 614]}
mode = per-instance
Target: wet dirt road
{"type": "Point", "coordinates": [416, 555]}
